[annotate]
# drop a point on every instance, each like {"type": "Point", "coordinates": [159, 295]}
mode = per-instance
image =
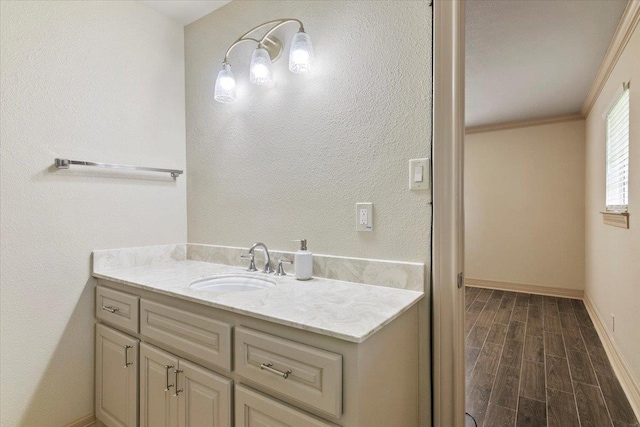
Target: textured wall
{"type": "Point", "coordinates": [613, 254]}
{"type": "Point", "coordinates": [291, 161]}
{"type": "Point", "coordinates": [99, 81]}
{"type": "Point", "coordinates": [524, 205]}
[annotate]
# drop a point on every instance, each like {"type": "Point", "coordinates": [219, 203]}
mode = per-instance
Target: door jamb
{"type": "Point", "coordinates": [448, 214]}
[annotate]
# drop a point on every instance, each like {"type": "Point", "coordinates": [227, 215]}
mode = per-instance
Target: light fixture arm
{"type": "Point", "coordinates": [242, 38]}
{"type": "Point", "coordinates": [280, 24]}
{"type": "Point", "coordinates": [237, 42]}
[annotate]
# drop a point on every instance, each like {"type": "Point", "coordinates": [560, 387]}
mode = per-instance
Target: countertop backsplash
{"type": "Point", "coordinates": [392, 274]}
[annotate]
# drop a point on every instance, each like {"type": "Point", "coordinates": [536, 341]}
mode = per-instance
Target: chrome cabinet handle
{"type": "Point", "coordinates": [166, 373]}
{"type": "Point", "coordinates": [176, 372]}
{"type": "Point", "coordinates": [110, 308]}
{"type": "Point", "coordinates": [269, 368]}
{"type": "Point", "coordinates": [126, 356]}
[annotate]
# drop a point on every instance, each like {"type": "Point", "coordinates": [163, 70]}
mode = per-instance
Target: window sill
{"type": "Point", "coordinates": [616, 219]}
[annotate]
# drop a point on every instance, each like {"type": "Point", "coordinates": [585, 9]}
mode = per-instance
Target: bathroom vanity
{"type": "Point", "coordinates": [299, 354]}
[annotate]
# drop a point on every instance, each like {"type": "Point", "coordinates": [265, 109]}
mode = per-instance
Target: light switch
{"type": "Point", "coordinates": [419, 174]}
{"type": "Point", "coordinates": [417, 177]}
{"type": "Point", "coordinates": [364, 216]}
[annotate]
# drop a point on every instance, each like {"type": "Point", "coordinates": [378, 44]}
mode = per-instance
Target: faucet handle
{"type": "Point", "coordinates": [252, 264]}
{"type": "Point", "coordinates": [280, 271]}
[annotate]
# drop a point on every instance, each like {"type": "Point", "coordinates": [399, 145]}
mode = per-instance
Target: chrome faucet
{"type": "Point", "coordinates": [267, 258]}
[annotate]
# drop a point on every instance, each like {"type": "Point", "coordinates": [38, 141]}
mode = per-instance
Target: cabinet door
{"type": "Point", "coordinates": [158, 405]}
{"type": "Point", "coordinates": [116, 378]}
{"type": "Point", "coordinates": [205, 398]}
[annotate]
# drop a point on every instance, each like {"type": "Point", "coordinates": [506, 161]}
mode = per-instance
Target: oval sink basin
{"type": "Point", "coordinates": [232, 283]}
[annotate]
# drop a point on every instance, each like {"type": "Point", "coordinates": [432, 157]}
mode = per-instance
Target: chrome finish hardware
{"type": "Point", "coordinates": [252, 264]}
{"type": "Point", "coordinates": [269, 368]}
{"type": "Point", "coordinates": [273, 45]}
{"type": "Point", "coordinates": [65, 163]}
{"type": "Point", "coordinates": [303, 244]}
{"type": "Point", "coordinates": [267, 257]}
{"type": "Point", "coordinates": [110, 308]}
{"type": "Point", "coordinates": [280, 271]}
{"type": "Point", "coordinates": [126, 356]}
{"type": "Point", "coordinates": [176, 372]}
{"type": "Point", "coordinates": [166, 373]}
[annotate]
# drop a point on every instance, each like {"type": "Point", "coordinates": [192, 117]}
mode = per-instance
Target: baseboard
{"type": "Point", "coordinates": [88, 421]}
{"type": "Point", "coordinates": [621, 368]}
{"type": "Point", "coordinates": [526, 288]}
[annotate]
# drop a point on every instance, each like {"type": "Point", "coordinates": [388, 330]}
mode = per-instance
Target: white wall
{"type": "Point", "coordinates": [524, 205]}
{"type": "Point", "coordinates": [100, 81]}
{"type": "Point", "coordinates": [291, 161]}
{"type": "Point", "coordinates": [613, 254]}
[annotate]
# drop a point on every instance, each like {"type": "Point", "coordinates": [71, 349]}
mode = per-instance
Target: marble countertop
{"type": "Point", "coordinates": [345, 310]}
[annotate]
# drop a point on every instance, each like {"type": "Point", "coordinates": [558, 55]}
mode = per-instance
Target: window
{"type": "Point", "coordinates": [617, 192]}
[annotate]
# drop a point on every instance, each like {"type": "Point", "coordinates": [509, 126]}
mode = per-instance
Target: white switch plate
{"type": "Point", "coordinates": [417, 180]}
{"type": "Point", "coordinates": [364, 216]}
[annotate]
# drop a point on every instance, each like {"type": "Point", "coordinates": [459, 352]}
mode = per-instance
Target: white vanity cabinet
{"type": "Point", "coordinates": [255, 409]}
{"type": "Point", "coordinates": [193, 365]}
{"type": "Point", "coordinates": [177, 393]}
{"type": "Point", "coordinates": [116, 378]}
{"type": "Point", "coordinates": [205, 398]}
{"type": "Point", "coordinates": [305, 374]}
{"type": "Point", "coordinates": [158, 406]}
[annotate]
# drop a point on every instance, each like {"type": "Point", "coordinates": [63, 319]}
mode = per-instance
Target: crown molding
{"type": "Point", "coordinates": [523, 124]}
{"type": "Point", "coordinates": [626, 26]}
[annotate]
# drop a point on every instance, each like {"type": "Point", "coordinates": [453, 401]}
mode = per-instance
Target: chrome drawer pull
{"type": "Point", "coordinates": [176, 372]}
{"type": "Point", "coordinates": [126, 356]}
{"type": "Point", "coordinates": [110, 308]}
{"type": "Point", "coordinates": [269, 367]}
{"type": "Point", "coordinates": [166, 373]}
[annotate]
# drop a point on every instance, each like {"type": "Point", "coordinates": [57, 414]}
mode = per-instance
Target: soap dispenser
{"type": "Point", "coordinates": [303, 261]}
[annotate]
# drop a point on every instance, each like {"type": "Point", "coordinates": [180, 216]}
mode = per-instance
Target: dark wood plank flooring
{"type": "Point", "coordinates": [537, 361]}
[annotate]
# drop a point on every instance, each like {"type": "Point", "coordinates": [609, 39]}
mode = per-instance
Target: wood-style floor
{"type": "Point", "coordinates": [534, 360]}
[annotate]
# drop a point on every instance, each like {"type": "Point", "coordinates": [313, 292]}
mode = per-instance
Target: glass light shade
{"type": "Point", "coordinates": [301, 53]}
{"type": "Point", "coordinates": [260, 69]}
{"type": "Point", "coordinates": [225, 91]}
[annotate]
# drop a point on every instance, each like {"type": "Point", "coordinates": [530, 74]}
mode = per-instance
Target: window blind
{"type": "Point", "coordinates": [617, 192]}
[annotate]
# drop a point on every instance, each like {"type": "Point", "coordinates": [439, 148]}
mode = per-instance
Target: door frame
{"type": "Point", "coordinates": [448, 214]}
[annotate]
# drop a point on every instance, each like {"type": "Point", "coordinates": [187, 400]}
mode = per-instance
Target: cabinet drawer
{"type": "Point", "coordinates": [198, 338]}
{"type": "Point", "coordinates": [117, 308]}
{"type": "Point", "coordinates": [306, 374]}
{"type": "Point", "coordinates": [254, 409]}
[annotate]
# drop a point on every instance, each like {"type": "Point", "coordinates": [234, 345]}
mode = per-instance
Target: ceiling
{"type": "Point", "coordinates": [533, 59]}
{"type": "Point", "coordinates": [185, 11]}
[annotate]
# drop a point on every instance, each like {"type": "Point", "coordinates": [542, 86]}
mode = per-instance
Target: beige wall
{"type": "Point", "coordinates": [613, 254]}
{"type": "Point", "coordinates": [524, 205]}
{"type": "Point", "coordinates": [100, 81]}
{"type": "Point", "coordinates": [291, 161]}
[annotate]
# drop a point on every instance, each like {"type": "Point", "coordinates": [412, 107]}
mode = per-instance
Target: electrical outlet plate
{"type": "Point", "coordinates": [613, 323]}
{"type": "Point", "coordinates": [419, 174]}
{"type": "Point", "coordinates": [364, 216]}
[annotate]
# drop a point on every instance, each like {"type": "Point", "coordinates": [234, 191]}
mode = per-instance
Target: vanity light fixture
{"type": "Point", "coordinates": [269, 49]}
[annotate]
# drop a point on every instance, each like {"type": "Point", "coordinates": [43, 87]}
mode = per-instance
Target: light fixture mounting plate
{"type": "Point", "coordinates": [274, 47]}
